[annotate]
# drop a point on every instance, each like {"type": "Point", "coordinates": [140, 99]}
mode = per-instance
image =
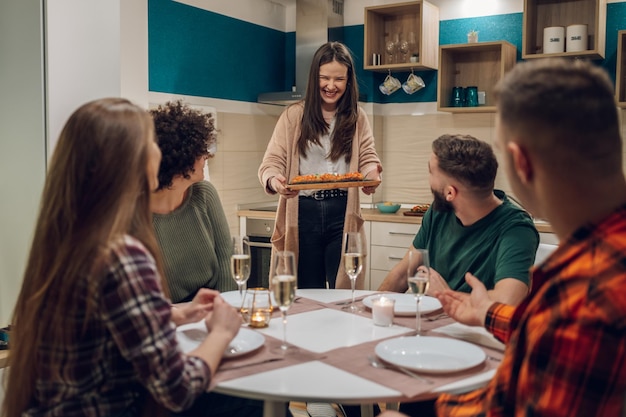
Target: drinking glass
{"type": "Point", "coordinates": [353, 262]}
{"type": "Point", "coordinates": [390, 48]}
{"type": "Point", "coordinates": [283, 282]}
{"type": "Point", "coordinates": [404, 50]}
{"type": "Point", "coordinates": [418, 274]}
{"type": "Point", "coordinates": [240, 261]}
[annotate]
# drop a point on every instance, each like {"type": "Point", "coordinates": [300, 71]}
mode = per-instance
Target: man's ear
{"type": "Point", "coordinates": [522, 165]}
{"type": "Point", "coordinates": [450, 193]}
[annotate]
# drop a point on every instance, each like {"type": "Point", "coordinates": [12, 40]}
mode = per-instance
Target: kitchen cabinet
{"type": "Point", "coordinates": [480, 64]}
{"type": "Point", "coordinates": [620, 73]}
{"type": "Point", "coordinates": [539, 14]}
{"type": "Point", "coordinates": [389, 243]}
{"type": "Point", "coordinates": [414, 22]}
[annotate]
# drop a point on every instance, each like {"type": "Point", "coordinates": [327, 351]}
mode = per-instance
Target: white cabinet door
{"type": "Point", "coordinates": [393, 234]}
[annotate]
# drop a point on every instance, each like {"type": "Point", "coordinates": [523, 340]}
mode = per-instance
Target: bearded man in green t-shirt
{"type": "Point", "coordinates": [471, 227]}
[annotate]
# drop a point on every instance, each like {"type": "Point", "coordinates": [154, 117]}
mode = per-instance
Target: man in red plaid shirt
{"type": "Point", "coordinates": [557, 126]}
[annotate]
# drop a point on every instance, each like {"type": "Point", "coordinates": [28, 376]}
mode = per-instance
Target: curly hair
{"type": "Point", "coordinates": [183, 134]}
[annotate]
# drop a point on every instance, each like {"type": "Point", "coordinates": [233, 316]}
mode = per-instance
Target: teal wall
{"type": "Point", "coordinates": [200, 53]}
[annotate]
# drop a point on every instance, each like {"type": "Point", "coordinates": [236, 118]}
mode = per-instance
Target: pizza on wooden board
{"type": "Point", "coordinates": [322, 178]}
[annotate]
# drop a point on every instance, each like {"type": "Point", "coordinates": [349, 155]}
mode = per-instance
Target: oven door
{"type": "Point", "coordinates": [260, 256]}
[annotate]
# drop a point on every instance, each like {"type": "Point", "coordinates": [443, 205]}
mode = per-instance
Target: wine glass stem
{"type": "Point", "coordinates": [240, 286]}
{"type": "Point", "coordinates": [353, 285]}
{"type": "Point", "coordinates": [284, 315]}
{"type": "Point", "coordinates": [418, 316]}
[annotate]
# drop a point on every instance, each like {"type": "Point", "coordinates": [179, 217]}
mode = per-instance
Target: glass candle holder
{"type": "Point", "coordinates": [256, 308]}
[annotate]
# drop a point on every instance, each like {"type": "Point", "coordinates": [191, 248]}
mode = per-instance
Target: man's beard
{"type": "Point", "coordinates": [440, 203]}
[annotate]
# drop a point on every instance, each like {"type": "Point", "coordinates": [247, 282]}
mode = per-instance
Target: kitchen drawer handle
{"type": "Point", "coordinates": [402, 233]}
{"type": "Point", "coordinates": [260, 245]}
{"type": "Point", "coordinates": [394, 258]}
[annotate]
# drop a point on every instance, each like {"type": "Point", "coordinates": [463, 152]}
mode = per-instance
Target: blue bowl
{"type": "Point", "coordinates": [385, 208]}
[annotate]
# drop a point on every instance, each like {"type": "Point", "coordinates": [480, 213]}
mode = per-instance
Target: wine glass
{"type": "Point", "coordinates": [283, 283]}
{"type": "Point", "coordinates": [419, 279]}
{"type": "Point", "coordinates": [353, 262]}
{"type": "Point", "coordinates": [404, 50]}
{"type": "Point", "coordinates": [240, 261]}
{"type": "Point", "coordinates": [390, 48]}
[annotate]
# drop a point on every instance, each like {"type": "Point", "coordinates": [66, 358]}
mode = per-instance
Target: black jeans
{"type": "Point", "coordinates": [320, 231]}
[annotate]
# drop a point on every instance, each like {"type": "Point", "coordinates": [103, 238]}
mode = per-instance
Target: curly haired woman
{"type": "Point", "coordinates": [188, 217]}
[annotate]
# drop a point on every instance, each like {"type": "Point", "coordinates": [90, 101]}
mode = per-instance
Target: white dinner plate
{"type": "Point", "coordinates": [436, 355]}
{"type": "Point", "coordinates": [405, 303]}
{"type": "Point", "coordinates": [233, 298]}
{"type": "Point", "coordinates": [191, 335]}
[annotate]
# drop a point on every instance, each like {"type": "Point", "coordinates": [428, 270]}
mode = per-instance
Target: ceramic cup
{"type": "Point", "coordinates": [458, 97]}
{"type": "Point", "coordinates": [471, 96]}
{"type": "Point", "coordinates": [390, 85]}
{"type": "Point", "coordinates": [256, 308]}
{"type": "Point", "coordinates": [413, 84]}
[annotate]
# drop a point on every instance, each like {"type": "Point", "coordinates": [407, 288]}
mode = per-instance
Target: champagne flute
{"type": "Point", "coordinates": [240, 261]}
{"type": "Point", "coordinates": [390, 48]}
{"type": "Point", "coordinates": [353, 262]}
{"type": "Point", "coordinates": [404, 50]}
{"type": "Point", "coordinates": [283, 283]}
{"type": "Point", "coordinates": [419, 280]}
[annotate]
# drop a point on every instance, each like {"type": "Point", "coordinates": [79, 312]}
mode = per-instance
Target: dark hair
{"type": "Point", "coordinates": [313, 124]}
{"type": "Point", "coordinates": [184, 135]}
{"type": "Point", "coordinates": [467, 159]}
{"type": "Point", "coordinates": [563, 108]}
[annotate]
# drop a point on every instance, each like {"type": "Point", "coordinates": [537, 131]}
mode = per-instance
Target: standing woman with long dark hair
{"type": "Point", "coordinates": [92, 332]}
{"type": "Point", "coordinates": [327, 132]}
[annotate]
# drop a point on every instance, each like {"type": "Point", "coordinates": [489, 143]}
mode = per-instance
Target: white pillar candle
{"type": "Point", "coordinates": [382, 311]}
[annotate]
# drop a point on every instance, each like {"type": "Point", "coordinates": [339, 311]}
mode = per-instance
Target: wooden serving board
{"type": "Point", "coordinates": [414, 213]}
{"type": "Point", "coordinates": [332, 185]}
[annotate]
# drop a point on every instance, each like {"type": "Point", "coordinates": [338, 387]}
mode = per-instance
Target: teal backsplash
{"type": "Point", "coordinates": [195, 52]}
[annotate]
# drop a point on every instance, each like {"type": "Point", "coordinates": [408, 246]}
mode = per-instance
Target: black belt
{"type": "Point", "coordinates": [324, 194]}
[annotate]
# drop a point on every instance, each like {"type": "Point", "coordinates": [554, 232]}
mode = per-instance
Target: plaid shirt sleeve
{"type": "Point", "coordinates": [498, 320]}
{"type": "Point", "coordinates": [566, 354]}
{"type": "Point", "coordinates": [138, 317]}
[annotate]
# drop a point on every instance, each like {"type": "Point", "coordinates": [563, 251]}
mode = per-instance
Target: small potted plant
{"type": "Point", "coordinates": [472, 36]}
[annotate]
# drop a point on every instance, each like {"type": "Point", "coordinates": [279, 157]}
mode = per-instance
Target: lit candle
{"type": "Point", "coordinates": [259, 318]}
{"type": "Point", "coordinates": [382, 311]}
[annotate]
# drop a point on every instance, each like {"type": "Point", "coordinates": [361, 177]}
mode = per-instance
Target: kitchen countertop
{"type": "Point", "coordinates": [373, 215]}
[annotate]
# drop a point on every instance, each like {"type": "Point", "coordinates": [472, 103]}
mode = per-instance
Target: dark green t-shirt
{"type": "Point", "coordinates": [500, 245]}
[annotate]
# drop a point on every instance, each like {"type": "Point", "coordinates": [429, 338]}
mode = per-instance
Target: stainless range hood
{"type": "Point", "coordinates": [313, 20]}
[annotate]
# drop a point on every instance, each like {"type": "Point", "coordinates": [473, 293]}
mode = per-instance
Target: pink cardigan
{"type": "Point", "coordinates": [282, 157]}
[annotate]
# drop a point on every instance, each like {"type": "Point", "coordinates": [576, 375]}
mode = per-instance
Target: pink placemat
{"type": "Point", "coordinates": [355, 360]}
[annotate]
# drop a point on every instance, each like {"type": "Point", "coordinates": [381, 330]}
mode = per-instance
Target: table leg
{"type": "Point", "coordinates": [274, 408]}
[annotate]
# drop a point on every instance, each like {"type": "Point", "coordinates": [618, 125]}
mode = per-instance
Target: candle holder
{"type": "Point", "coordinates": [256, 308]}
{"type": "Point", "coordinates": [383, 311]}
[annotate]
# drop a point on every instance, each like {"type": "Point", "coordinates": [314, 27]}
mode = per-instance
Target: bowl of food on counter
{"type": "Point", "coordinates": [388, 207]}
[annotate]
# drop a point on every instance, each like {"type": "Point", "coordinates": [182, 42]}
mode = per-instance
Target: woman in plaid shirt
{"type": "Point", "coordinates": [93, 333]}
{"type": "Point", "coordinates": [558, 128]}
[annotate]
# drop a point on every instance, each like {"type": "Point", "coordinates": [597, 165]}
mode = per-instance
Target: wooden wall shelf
{"type": "Point", "coordinates": [539, 14]}
{"type": "Point", "coordinates": [416, 22]}
{"type": "Point", "coordinates": [480, 64]}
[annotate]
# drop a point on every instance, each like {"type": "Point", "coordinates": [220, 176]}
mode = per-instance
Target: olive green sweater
{"type": "Point", "coordinates": [196, 244]}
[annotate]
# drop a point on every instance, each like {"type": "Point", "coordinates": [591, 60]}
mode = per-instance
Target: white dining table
{"type": "Point", "coordinates": [324, 330]}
